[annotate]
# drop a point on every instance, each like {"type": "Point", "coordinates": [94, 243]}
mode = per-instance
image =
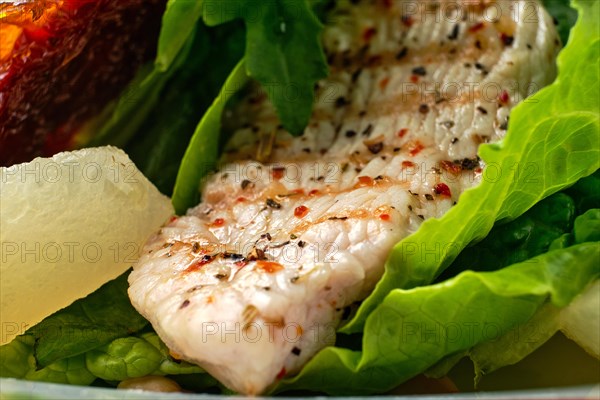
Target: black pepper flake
{"type": "Point", "coordinates": [454, 140]}
{"type": "Point", "coordinates": [233, 256]}
{"type": "Point", "coordinates": [184, 304]}
{"type": "Point", "coordinates": [362, 113]}
{"type": "Point", "coordinates": [421, 216]}
{"type": "Point", "coordinates": [245, 184]}
{"type": "Point", "coordinates": [429, 197]}
{"type": "Point", "coordinates": [273, 204]}
{"type": "Point", "coordinates": [340, 102]}
{"type": "Point", "coordinates": [206, 259]}
{"type": "Point", "coordinates": [507, 40]}
{"type": "Point", "coordinates": [221, 276]}
{"type": "Point", "coordinates": [306, 150]}
{"type": "Point", "coordinates": [421, 71]}
{"type": "Point", "coordinates": [482, 110]}
{"type": "Point", "coordinates": [350, 133]}
{"type": "Point", "coordinates": [266, 236]}
{"type": "Point", "coordinates": [278, 245]}
{"type": "Point", "coordinates": [337, 218]}
{"type": "Point", "coordinates": [397, 149]}
{"type": "Point", "coordinates": [256, 255]}
{"type": "Point", "coordinates": [292, 236]}
{"type": "Point", "coordinates": [529, 46]}
{"type": "Point", "coordinates": [378, 177]}
{"type": "Point", "coordinates": [402, 53]}
{"type": "Point", "coordinates": [294, 279]}
{"type": "Point", "coordinates": [468, 163]}
{"type": "Point", "coordinates": [267, 288]}
{"type": "Point", "coordinates": [368, 130]}
{"type": "Point", "coordinates": [301, 243]}
{"type": "Point", "coordinates": [448, 124]}
{"type": "Point", "coordinates": [375, 148]}
{"type": "Point", "coordinates": [356, 74]}
{"type": "Point", "coordinates": [410, 207]}
{"type": "Point", "coordinates": [478, 44]}
{"type": "Point", "coordinates": [296, 351]}
{"type": "Point", "coordinates": [423, 108]}
{"type": "Point", "coordinates": [346, 313]}
{"type": "Point", "coordinates": [454, 34]}
{"type": "Point", "coordinates": [195, 247]}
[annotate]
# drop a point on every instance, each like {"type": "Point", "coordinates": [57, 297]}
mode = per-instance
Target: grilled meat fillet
{"type": "Point", "coordinates": [252, 282]}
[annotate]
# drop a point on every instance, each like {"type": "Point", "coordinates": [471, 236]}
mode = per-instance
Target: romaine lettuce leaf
{"type": "Point", "coordinates": [414, 329]}
{"type": "Point", "coordinates": [553, 141]}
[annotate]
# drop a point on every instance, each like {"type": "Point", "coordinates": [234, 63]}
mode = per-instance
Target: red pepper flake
{"type": "Point", "coordinates": [402, 132]}
{"type": "Point", "coordinates": [407, 164]}
{"type": "Point", "coordinates": [278, 172]}
{"type": "Point", "coordinates": [504, 98]}
{"type": "Point", "coordinates": [297, 191]}
{"type": "Point", "coordinates": [365, 181]}
{"type": "Point", "coordinates": [281, 374]}
{"type": "Point", "coordinates": [478, 170]}
{"type": "Point", "coordinates": [269, 266]}
{"type": "Point", "coordinates": [313, 192]}
{"type": "Point", "coordinates": [414, 79]}
{"type": "Point", "coordinates": [415, 148]}
{"type": "Point", "coordinates": [301, 211]}
{"type": "Point", "coordinates": [369, 33]}
{"type": "Point", "coordinates": [241, 199]}
{"type": "Point", "coordinates": [384, 82]}
{"type": "Point", "coordinates": [241, 264]}
{"type": "Point", "coordinates": [218, 222]}
{"type": "Point", "coordinates": [451, 167]}
{"type": "Point", "coordinates": [407, 21]}
{"type": "Point", "coordinates": [199, 264]}
{"type": "Point", "coordinates": [385, 217]}
{"type": "Point", "coordinates": [442, 189]}
{"type": "Point", "coordinates": [477, 27]}
{"type": "Point", "coordinates": [173, 219]}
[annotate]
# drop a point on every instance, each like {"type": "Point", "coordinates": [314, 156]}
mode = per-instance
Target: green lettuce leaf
{"type": "Point", "coordinates": [128, 357]}
{"type": "Point", "coordinates": [161, 141]}
{"type": "Point", "coordinates": [283, 52]}
{"type": "Point", "coordinates": [202, 152]}
{"type": "Point", "coordinates": [178, 24]}
{"type": "Point", "coordinates": [553, 141]}
{"type": "Point", "coordinates": [525, 237]}
{"type": "Point", "coordinates": [17, 360]}
{"type": "Point", "coordinates": [98, 319]}
{"type": "Point", "coordinates": [414, 329]}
